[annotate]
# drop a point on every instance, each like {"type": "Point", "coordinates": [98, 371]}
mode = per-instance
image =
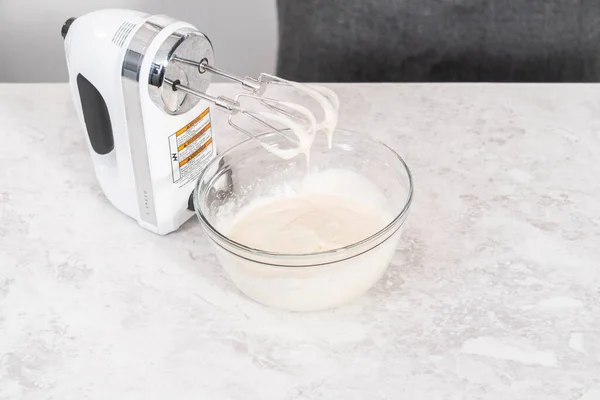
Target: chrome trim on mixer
{"type": "Point", "coordinates": [130, 73]}
{"type": "Point", "coordinates": [183, 43]}
{"type": "Point", "coordinates": [171, 104]}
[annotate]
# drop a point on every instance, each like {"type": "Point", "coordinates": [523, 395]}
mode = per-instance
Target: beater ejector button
{"type": "Point", "coordinates": [65, 28]}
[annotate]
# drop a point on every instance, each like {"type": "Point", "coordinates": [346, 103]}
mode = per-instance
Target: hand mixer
{"type": "Point", "coordinates": [139, 83]}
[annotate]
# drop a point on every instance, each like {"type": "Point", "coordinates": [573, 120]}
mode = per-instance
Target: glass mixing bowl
{"type": "Point", "coordinates": [304, 282]}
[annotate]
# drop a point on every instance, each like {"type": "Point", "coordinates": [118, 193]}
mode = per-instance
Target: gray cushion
{"type": "Point", "coordinates": [439, 40]}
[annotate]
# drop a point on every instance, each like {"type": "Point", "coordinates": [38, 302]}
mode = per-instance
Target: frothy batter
{"type": "Point", "coordinates": [304, 224]}
{"type": "Point", "coordinates": [326, 210]}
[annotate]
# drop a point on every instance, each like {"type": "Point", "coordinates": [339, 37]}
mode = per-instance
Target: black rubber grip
{"type": "Point", "coordinates": [96, 117]}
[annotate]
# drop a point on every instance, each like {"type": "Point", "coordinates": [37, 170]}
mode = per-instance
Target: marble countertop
{"type": "Point", "coordinates": [494, 292]}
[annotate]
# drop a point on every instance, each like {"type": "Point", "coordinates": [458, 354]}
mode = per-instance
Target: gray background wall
{"type": "Point", "coordinates": [243, 33]}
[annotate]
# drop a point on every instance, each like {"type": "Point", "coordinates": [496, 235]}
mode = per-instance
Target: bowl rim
{"type": "Point", "coordinates": [304, 256]}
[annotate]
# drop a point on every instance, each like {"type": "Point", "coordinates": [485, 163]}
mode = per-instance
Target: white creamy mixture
{"type": "Point", "coordinates": [327, 210]}
{"type": "Point", "coordinates": [304, 224]}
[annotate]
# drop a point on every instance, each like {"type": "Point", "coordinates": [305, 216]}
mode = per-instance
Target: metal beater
{"type": "Point", "coordinates": [255, 87]}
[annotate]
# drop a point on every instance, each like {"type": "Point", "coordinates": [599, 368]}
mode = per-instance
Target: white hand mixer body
{"type": "Point", "coordinates": [141, 97]}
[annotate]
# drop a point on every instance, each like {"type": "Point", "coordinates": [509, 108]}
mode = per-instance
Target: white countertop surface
{"type": "Point", "coordinates": [494, 292]}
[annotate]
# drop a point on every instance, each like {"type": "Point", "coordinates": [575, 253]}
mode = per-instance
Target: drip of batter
{"type": "Point", "coordinates": [305, 133]}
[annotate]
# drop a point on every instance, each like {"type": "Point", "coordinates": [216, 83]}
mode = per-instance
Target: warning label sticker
{"type": "Point", "coordinates": [191, 148]}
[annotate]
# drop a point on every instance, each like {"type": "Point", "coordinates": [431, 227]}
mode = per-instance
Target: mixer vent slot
{"type": "Point", "coordinates": [122, 33]}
